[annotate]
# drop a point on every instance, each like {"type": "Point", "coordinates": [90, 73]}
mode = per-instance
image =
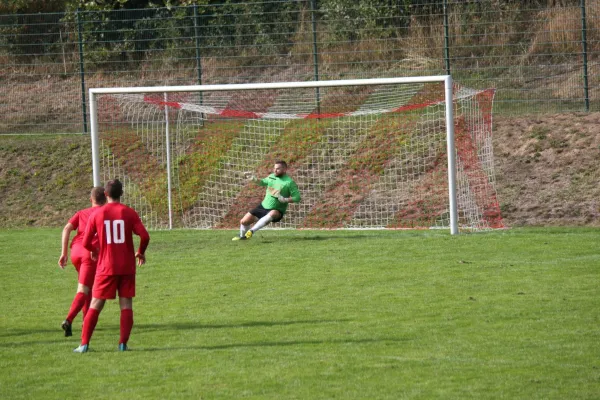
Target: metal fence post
{"type": "Point", "coordinates": [446, 39]}
{"type": "Point", "coordinates": [198, 57]}
{"type": "Point", "coordinates": [313, 6]}
{"type": "Point", "coordinates": [586, 88]}
{"type": "Point", "coordinates": [197, 39]}
{"type": "Point", "coordinates": [81, 70]}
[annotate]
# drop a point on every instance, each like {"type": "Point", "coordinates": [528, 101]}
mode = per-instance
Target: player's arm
{"type": "Point", "coordinates": [248, 175]}
{"type": "Point", "coordinates": [252, 178]}
{"type": "Point", "coordinates": [140, 230]}
{"type": "Point", "coordinates": [294, 194]}
{"type": "Point", "coordinates": [66, 234]}
{"type": "Point", "coordinates": [88, 236]}
{"type": "Point", "coordinates": [263, 181]}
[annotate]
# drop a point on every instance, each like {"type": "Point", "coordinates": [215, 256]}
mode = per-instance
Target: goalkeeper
{"type": "Point", "coordinates": [281, 191]}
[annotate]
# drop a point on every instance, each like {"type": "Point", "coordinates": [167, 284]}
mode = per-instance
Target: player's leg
{"type": "Point", "coordinates": [105, 288]}
{"type": "Point", "coordinates": [88, 283]}
{"type": "Point", "coordinates": [126, 323]}
{"type": "Point", "coordinates": [245, 224]}
{"type": "Point", "coordinates": [86, 273]}
{"type": "Point", "coordinates": [79, 299]}
{"type": "Point", "coordinates": [79, 302]}
{"type": "Point", "coordinates": [261, 215]}
{"type": "Point", "coordinates": [89, 324]}
{"type": "Point", "coordinates": [126, 295]}
{"type": "Point", "coordinates": [273, 215]}
{"type": "Point", "coordinates": [88, 299]}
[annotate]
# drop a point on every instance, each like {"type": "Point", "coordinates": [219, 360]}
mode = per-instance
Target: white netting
{"type": "Point", "coordinates": [362, 156]}
{"type": "Point", "coordinates": [132, 194]}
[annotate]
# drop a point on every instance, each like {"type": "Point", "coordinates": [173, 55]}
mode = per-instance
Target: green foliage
{"type": "Point", "coordinates": [30, 7]}
{"type": "Point", "coordinates": [267, 25]}
{"type": "Point", "coordinates": [26, 32]}
{"type": "Point", "coordinates": [350, 20]}
{"type": "Point", "coordinates": [113, 38]}
{"type": "Point", "coordinates": [124, 32]}
{"type": "Point", "coordinates": [106, 5]}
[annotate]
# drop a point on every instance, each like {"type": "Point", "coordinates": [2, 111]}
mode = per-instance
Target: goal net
{"type": "Point", "coordinates": [365, 153]}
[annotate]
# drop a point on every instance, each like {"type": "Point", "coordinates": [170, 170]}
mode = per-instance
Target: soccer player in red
{"type": "Point", "coordinates": [115, 224]}
{"type": "Point", "coordinates": [80, 257]}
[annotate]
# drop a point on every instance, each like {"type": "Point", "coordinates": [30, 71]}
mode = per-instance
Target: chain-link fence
{"type": "Point", "coordinates": [540, 57]}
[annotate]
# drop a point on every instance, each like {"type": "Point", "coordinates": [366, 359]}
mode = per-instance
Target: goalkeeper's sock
{"type": "Point", "coordinates": [261, 223]}
{"type": "Point", "coordinates": [244, 229]}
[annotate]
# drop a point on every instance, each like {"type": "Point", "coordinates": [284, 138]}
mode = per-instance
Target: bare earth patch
{"type": "Point", "coordinates": [548, 169]}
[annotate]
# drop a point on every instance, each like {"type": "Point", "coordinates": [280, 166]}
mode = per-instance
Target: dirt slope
{"type": "Point", "coordinates": [548, 169]}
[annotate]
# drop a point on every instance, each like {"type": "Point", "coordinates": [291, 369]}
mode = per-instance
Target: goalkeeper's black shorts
{"type": "Point", "coordinates": [259, 212]}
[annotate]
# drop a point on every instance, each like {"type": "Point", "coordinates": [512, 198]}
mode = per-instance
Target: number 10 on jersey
{"type": "Point", "coordinates": [117, 233]}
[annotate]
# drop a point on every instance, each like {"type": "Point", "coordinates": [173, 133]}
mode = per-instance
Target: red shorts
{"type": "Point", "coordinates": [85, 267]}
{"type": "Point", "coordinates": [107, 286]}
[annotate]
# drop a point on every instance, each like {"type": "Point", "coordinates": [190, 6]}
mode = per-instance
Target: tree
{"type": "Point", "coordinates": [30, 7]}
{"type": "Point", "coordinates": [107, 5]}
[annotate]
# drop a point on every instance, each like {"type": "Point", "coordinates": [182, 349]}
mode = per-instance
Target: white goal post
{"type": "Point", "coordinates": [162, 122]}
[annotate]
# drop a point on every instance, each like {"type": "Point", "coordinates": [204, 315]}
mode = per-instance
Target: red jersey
{"type": "Point", "coordinates": [79, 222]}
{"type": "Point", "coordinates": [115, 224]}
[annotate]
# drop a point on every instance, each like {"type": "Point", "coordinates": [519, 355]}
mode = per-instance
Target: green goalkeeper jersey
{"type": "Point", "coordinates": [279, 186]}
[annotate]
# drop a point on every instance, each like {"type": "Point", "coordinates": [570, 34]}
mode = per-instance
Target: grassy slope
{"type": "Point", "coordinates": [546, 166]}
{"type": "Point", "coordinates": [44, 179]}
{"type": "Point", "coordinates": [369, 315]}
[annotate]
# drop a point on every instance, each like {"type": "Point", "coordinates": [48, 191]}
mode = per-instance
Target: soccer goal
{"type": "Point", "coordinates": [412, 153]}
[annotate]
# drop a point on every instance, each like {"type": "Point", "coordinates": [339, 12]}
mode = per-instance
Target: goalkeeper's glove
{"type": "Point", "coordinates": [284, 199]}
{"type": "Point", "coordinates": [250, 176]}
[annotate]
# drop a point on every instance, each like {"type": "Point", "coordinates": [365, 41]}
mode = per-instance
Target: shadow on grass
{"type": "Point", "coordinates": [194, 325]}
{"type": "Point", "coordinates": [58, 333]}
{"type": "Point", "coordinates": [278, 239]}
{"type": "Point", "coordinates": [104, 349]}
{"type": "Point", "coordinates": [275, 344]}
{"type": "Point", "coordinates": [59, 336]}
{"type": "Point", "coordinates": [25, 332]}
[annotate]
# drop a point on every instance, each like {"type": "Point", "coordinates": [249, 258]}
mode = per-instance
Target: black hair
{"type": "Point", "coordinates": [114, 189]}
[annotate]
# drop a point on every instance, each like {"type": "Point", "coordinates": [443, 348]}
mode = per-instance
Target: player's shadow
{"type": "Point", "coordinates": [195, 325]}
{"type": "Point", "coordinates": [333, 237]}
{"type": "Point", "coordinates": [276, 344]}
{"type": "Point", "coordinates": [57, 335]}
{"type": "Point", "coordinates": [19, 332]}
{"type": "Point", "coordinates": [179, 326]}
{"type": "Point", "coordinates": [317, 238]}
{"type": "Point", "coordinates": [25, 332]}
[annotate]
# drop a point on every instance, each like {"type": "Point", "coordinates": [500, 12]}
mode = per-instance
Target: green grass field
{"type": "Point", "coordinates": [316, 315]}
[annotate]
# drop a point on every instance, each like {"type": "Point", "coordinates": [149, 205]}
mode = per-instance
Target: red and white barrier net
{"type": "Point", "coordinates": [363, 156]}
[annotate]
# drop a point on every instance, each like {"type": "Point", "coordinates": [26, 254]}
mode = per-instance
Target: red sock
{"type": "Point", "coordinates": [76, 306]}
{"type": "Point", "coordinates": [89, 324]}
{"type": "Point", "coordinates": [86, 306]}
{"type": "Point", "coordinates": [126, 325]}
